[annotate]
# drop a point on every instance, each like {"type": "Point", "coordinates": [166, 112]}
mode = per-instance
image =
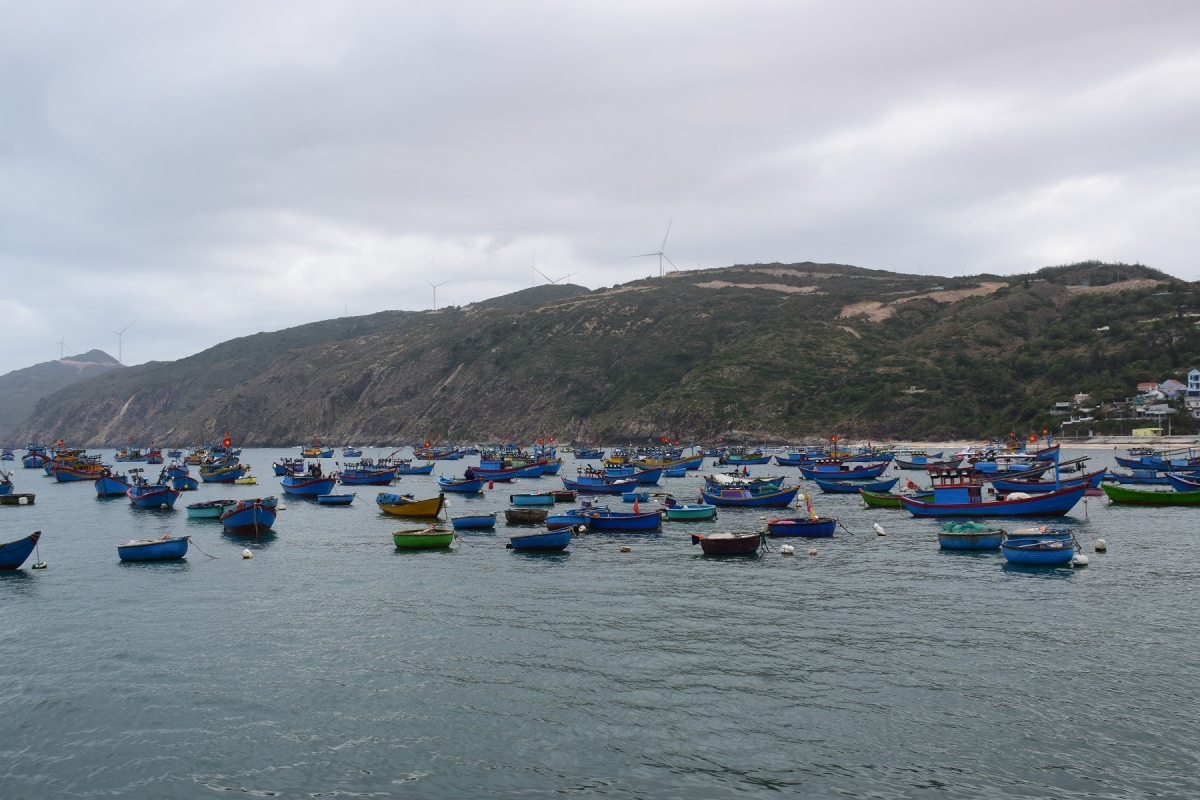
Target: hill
{"type": "Point", "coordinates": [21, 389]}
{"type": "Point", "coordinates": [753, 350]}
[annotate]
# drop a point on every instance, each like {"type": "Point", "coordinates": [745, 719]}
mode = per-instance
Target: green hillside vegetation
{"type": "Point", "coordinates": [780, 351]}
{"type": "Point", "coordinates": [21, 389]}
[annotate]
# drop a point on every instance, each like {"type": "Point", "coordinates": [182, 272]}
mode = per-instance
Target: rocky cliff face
{"type": "Point", "coordinates": [21, 389]}
{"type": "Point", "coordinates": [784, 350]}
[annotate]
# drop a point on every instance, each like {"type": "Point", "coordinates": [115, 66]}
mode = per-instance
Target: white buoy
{"type": "Point", "coordinates": [164, 506]}
{"type": "Point", "coordinates": [247, 554]}
{"type": "Point", "coordinates": [786, 549]}
{"type": "Point", "coordinates": [1101, 546]}
{"type": "Point", "coordinates": [22, 501]}
{"type": "Point", "coordinates": [812, 552]}
{"type": "Point", "coordinates": [1079, 561]}
{"type": "Point", "coordinates": [879, 530]}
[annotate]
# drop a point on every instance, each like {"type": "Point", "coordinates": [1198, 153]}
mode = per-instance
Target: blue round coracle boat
{"type": "Point", "coordinates": [1039, 552]}
{"type": "Point", "coordinates": [166, 549]}
{"type": "Point", "coordinates": [542, 541]}
{"type": "Point", "coordinates": [474, 522]}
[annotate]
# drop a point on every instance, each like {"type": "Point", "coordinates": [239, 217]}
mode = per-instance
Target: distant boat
{"type": "Point", "coordinates": [111, 484]}
{"type": "Point", "coordinates": [366, 474]}
{"type": "Point", "coordinates": [209, 509]}
{"type": "Point", "coordinates": [889, 500]}
{"type": "Point", "coordinates": [525, 516]}
{"type": "Point", "coordinates": [836, 470]}
{"type": "Point", "coordinates": [802, 526]}
{"type": "Point", "coordinates": [407, 506]}
{"type": "Point", "coordinates": [164, 549]}
{"type": "Point", "coordinates": [406, 468]}
{"type": "Point", "coordinates": [311, 484]}
{"type": "Point", "coordinates": [848, 487]}
{"type": "Point", "coordinates": [35, 457]}
{"type": "Point", "coordinates": [7, 455]}
{"type": "Point", "coordinates": [428, 538]}
{"type": "Point", "coordinates": [461, 486]}
{"type": "Point", "coordinates": [317, 450]}
{"type": "Point", "coordinates": [472, 522]}
{"type": "Point", "coordinates": [598, 484]}
{"type": "Point", "coordinates": [223, 473]}
{"type": "Point", "coordinates": [624, 521]}
{"type": "Point", "coordinates": [13, 554]}
{"type": "Point", "coordinates": [728, 544]}
{"type": "Point", "coordinates": [154, 455]}
{"type": "Point", "coordinates": [335, 499]}
{"type": "Point", "coordinates": [185, 483]}
{"type": "Point", "coordinates": [286, 466]}
{"type": "Point", "coordinates": [688, 511]}
{"type": "Point", "coordinates": [537, 499]}
{"type": "Point", "coordinates": [745, 497]}
{"type": "Point", "coordinates": [351, 452]}
{"type": "Point", "coordinates": [542, 541]}
{"type": "Point", "coordinates": [248, 516]}
{"type": "Point", "coordinates": [151, 495]}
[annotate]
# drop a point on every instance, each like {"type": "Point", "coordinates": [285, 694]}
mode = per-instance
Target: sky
{"type": "Point", "coordinates": [197, 171]}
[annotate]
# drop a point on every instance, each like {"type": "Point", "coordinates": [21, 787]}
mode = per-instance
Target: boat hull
{"type": "Point", "coordinates": [403, 507]}
{"type": "Point", "coordinates": [13, 554]}
{"type": "Point", "coordinates": [813, 527]}
{"type": "Point", "coordinates": [1038, 553]}
{"type": "Point", "coordinates": [728, 544]}
{"type": "Point", "coordinates": [377, 477]}
{"type": "Point", "coordinates": [525, 516]}
{"type": "Point", "coordinates": [836, 487]}
{"type": "Point", "coordinates": [684, 512]}
{"type": "Point", "coordinates": [613, 487]}
{"type": "Point", "coordinates": [624, 521]}
{"type": "Point", "coordinates": [780, 499]}
{"type": "Point", "coordinates": [111, 487]}
{"type": "Point", "coordinates": [422, 539]}
{"type": "Point", "coordinates": [248, 518]}
{"type": "Point", "coordinates": [1134, 497]}
{"type": "Point", "coordinates": [474, 522]}
{"type": "Point", "coordinates": [424, 469]}
{"type": "Point", "coordinates": [855, 473]}
{"type": "Point", "coordinates": [461, 487]}
{"type": "Point", "coordinates": [542, 541]}
{"type": "Point", "coordinates": [1050, 504]}
{"type": "Point", "coordinates": [335, 499]}
{"type": "Point", "coordinates": [211, 509]}
{"type": "Point", "coordinates": [307, 486]}
{"type": "Point", "coordinates": [160, 550]}
{"type": "Point", "coordinates": [152, 496]}
{"type": "Point", "coordinates": [531, 499]}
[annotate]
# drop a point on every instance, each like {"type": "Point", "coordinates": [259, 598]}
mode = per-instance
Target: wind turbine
{"type": "Point", "coordinates": [121, 342]}
{"type": "Point", "coordinates": [62, 346]}
{"type": "Point", "coordinates": [661, 255]}
{"type": "Point", "coordinates": [435, 288]}
{"type": "Point", "coordinates": [554, 281]}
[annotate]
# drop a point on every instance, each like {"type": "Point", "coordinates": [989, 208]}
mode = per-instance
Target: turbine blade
{"type": "Point", "coordinates": [644, 255]}
{"type": "Point", "coordinates": [669, 261]}
{"type": "Point", "coordinates": [664, 244]}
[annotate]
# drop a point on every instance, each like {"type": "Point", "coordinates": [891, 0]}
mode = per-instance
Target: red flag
{"type": "Point", "coordinates": [551, 438]}
{"type": "Point", "coordinates": [541, 441]}
{"type": "Point", "coordinates": [227, 442]}
{"type": "Point", "coordinates": [912, 486]}
{"type": "Point", "coordinates": [131, 438]}
{"type": "Point", "coordinates": [428, 443]}
{"type": "Point", "coordinates": [636, 510]}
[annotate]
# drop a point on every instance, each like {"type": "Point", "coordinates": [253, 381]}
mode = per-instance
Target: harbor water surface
{"type": "Point", "coordinates": [333, 664]}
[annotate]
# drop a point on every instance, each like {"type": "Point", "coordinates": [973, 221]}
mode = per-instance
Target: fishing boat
{"type": "Point", "coordinates": [969, 536]}
{"type": "Point", "coordinates": [174, 452]}
{"type": "Point", "coordinates": [13, 554]}
{"type": "Point", "coordinates": [351, 452]}
{"type": "Point", "coordinates": [335, 499]}
{"type": "Point", "coordinates": [366, 473]}
{"type": "Point", "coordinates": [7, 455]}
{"type": "Point", "coordinates": [35, 457]}
{"type": "Point", "coordinates": [957, 493]}
{"type": "Point", "coordinates": [75, 467]}
{"type": "Point", "coordinates": [744, 497]}
{"type": "Point", "coordinates": [541, 541]}
{"type": "Point", "coordinates": [1091, 480]}
{"type": "Point", "coordinates": [889, 500]}
{"type": "Point", "coordinates": [589, 453]}
{"type": "Point", "coordinates": [836, 470]}
{"type": "Point", "coordinates": [288, 466]}
{"type": "Point", "coordinates": [1180, 483]}
{"type": "Point", "coordinates": [407, 506]}
{"type": "Point", "coordinates": [525, 516]}
{"type": "Point", "coordinates": [740, 457]}
{"type": "Point", "coordinates": [223, 472]}
{"type": "Point", "coordinates": [624, 521]}
{"type": "Point", "coordinates": [406, 468]}
{"type": "Point", "coordinates": [437, 453]}
{"type": "Point", "coordinates": [728, 544]}
{"type": "Point", "coordinates": [1150, 497]}
{"type": "Point", "coordinates": [126, 454]}
{"type": "Point", "coordinates": [681, 512]}
{"type": "Point", "coordinates": [564, 495]}
{"type": "Point", "coordinates": [150, 495]}
{"type": "Point", "coordinates": [184, 483]}
{"type": "Point", "coordinates": [460, 485]}
{"type": "Point", "coordinates": [1037, 550]}
{"type": "Point", "coordinates": [316, 450]}
{"type": "Point", "coordinates": [248, 516]}
{"type": "Point", "coordinates": [632, 497]}
{"type": "Point", "coordinates": [428, 538]}
{"type": "Point", "coordinates": [111, 484]}
{"type": "Point", "coordinates": [165, 549]}
{"type": "Point", "coordinates": [472, 522]}
{"type": "Point", "coordinates": [809, 527]}
{"type": "Point", "coordinates": [312, 483]}
{"type": "Point", "coordinates": [848, 487]}
{"type": "Point", "coordinates": [209, 509]}
{"type": "Point", "coordinates": [535, 499]}
{"type": "Point", "coordinates": [598, 484]}
{"type": "Point", "coordinates": [154, 455]}
{"type": "Point", "coordinates": [1139, 476]}
{"type": "Point", "coordinates": [675, 472]}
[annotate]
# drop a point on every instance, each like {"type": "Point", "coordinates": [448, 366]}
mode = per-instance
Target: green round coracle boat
{"type": "Point", "coordinates": [423, 538]}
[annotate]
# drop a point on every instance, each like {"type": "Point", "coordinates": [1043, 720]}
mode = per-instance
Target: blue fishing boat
{"type": "Point", "coordinates": [154, 455]}
{"type": "Point", "coordinates": [308, 485]}
{"type": "Point", "coordinates": [406, 468]}
{"type": "Point", "coordinates": [1142, 476]}
{"type": "Point", "coordinates": [1038, 551]}
{"type": "Point", "coordinates": [111, 484]}
{"type": "Point", "coordinates": [13, 554]}
{"type": "Point", "coordinates": [249, 516]}
{"type": "Point", "coordinates": [923, 463]}
{"type": "Point", "coordinates": [957, 493]}
{"type": "Point", "coordinates": [472, 522]}
{"type": "Point", "coordinates": [675, 472]}
{"type": "Point", "coordinates": [541, 541]}
{"type": "Point", "coordinates": [745, 497]}
{"type": "Point", "coordinates": [35, 457]}
{"type": "Point", "coordinates": [793, 459]}
{"type": "Point", "coordinates": [335, 499]}
{"type": "Point", "coordinates": [570, 517]}
{"type": "Point", "coordinates": [286, 466]}
{"type": "Point", "coordinates": [809, 527]}
{"type": "Point", "coordinates": [185, 483]}
{"type": "Point", "coordinates": [598, 484]}
{"type": "Point", "coordinates": [223, 472]}
{"type": "Point", "coordinates": [367, 475]}
{"type": "Point", "coordinates": [535, 499]}
{"type": "Point", "coordinates": [739, 457]}
{"type": "Point", "coordinates": [969, 536]}
{"type": "Point", "coordinates": [589, 453]}
{"type": "Point", "coordinates": [1181, 483]}
{"type": "Point", "coordinates": [164, 549]}
{"type": "Point", "coordinates": [7, 455]}
{"type": "Point", "coordinates": [351, 452]}
{"type": "Point", "coordinates": [1091, 480]}
{"type": "Point", "coordinates": [624, 521]}
{"type": "Point", "coordinates": [150, 495]}
{"type": "Point", "coordinates": [630, 497]}
{"type": "Point", "coordinates": [551, 467]}
{"type": "Point", "coordinates": [847, 487]}
{"type": "Point", "coordinates": [460, 485]}
{"type": "Point", "coordinates": [836, 470]}
{"type": "Point", "coordinates": [174, 452]}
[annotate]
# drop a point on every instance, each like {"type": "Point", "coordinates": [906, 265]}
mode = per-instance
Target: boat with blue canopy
{"type": "Point", "coordinates": [958, 493]}
{"type": "Point", "coordinates": [311, 483]}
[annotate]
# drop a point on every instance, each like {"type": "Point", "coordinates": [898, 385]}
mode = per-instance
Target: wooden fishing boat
{"type": "Point", "coordinates": [185, 483]}
{"type": "Point", "coordinates": [427, 538]}
{"type": "Point", "coordinates": [969, 536]}
{"type": "Point", "coordinates": [461, 486]}
{"type": "Point", "coordinates": [525, 516]}
{"type": "Point", "coordinates": [111, 484]}
{"type": "Point", "coordinates": [535, 499]}
{"type": "Point", "coordinates": [17, 499]}
{"type": "Point", "coordinates": [7, 455]}
{"type": "Point", "coordinates": [126, 454]}
{"type": "Point", "coordinates": [957, 493]}
{"type": "Point", "coordinates": [312, 484]}
{"type": "Point", "coordinates": [151, 495]}
{"type": "Point", "coordinates": [624, 521]}
{"type": "Point", "coordinates": [847, 487]}
{"type": "Point", "coordinates": [688, 512]}
{"type": "Point", "coordinates": [728, 544]}
{"type": "Point", "coordinates": [675, 472]}
{"type": "Point", "coordinates": [288, 466]}
{"type": "Point", "coordinates": [248, 516]}
{"type": "Point", "coordinates": [1181, 483]}
{"type": "Point", "coordinates": [154, 455]}
{"type": "Point", "coordinates": [1091, 479]}
{"type": "Point", "coordinates": [471, 522]}
{"type": "Point", "coordinates": [209, 509]}
{"type": "Point", "coordinates": [164, 549]}
{"type": "Point", "coordinates": [744, 497]}
{"type": "Point", "coordinates": [836, 470]}
{"type": "Point", "coordinates": [13, 554]}
{"type": "Point", "coordinates": [407, 506]}
{"type": "Point", "coordinates": [335, 499]}
{"type": "Point", "coordinates": [586, 484]}
{"type": "Point", "coordinates": [406, 468]}
{"type": "Point", "coordinates": [317, 450]}
{"type": "Point", "coordinates": [809, 527]}
{"type": "Point", "coordinates": [564, 495]}
{"type": "Point", "coordinates": [223, 473]}
{"type": "Point", "coordinates": [542, 541]}
{"type": "Point", "coordinates": [368, 475]}
{"type": "Point", "coordinates": [351, 452]}
{"type": "Point", "coordinates": [1150, 497]}
{"type": "Point", "coordinates": [888, 500]}
{"type": "Point", "coordinates": [35, 457]}
{"type": "Point", "coordinates": [1139, 476]}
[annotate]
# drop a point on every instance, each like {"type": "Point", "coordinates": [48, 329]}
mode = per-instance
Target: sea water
{"type": "Point", "coordinates": [333, 664]}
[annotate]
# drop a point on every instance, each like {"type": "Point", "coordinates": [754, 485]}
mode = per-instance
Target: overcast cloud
{"type": "Point", "coordinates": [206, 170]}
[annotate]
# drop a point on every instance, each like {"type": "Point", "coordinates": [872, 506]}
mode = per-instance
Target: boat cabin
{"type": "Point", "coordinates": [956, 486]}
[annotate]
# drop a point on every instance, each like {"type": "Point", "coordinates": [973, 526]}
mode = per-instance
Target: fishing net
{"type": "Point", "coordinates": [964, 527]}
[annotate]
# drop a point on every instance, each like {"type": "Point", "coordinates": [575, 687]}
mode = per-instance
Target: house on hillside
{"type": "Point", "coordinates": [1147, 388]}
{"type": "Point", "coordinates": [1193, 389]}
{"type": "Point", "coordinates": [1060, 408]}
{"type": "Point", "coordinates": [1172, 388]}
{"type": "Point", "coordinates": [1154, 411]}
{"type": "Point", "coordinates": [1081, 399]}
